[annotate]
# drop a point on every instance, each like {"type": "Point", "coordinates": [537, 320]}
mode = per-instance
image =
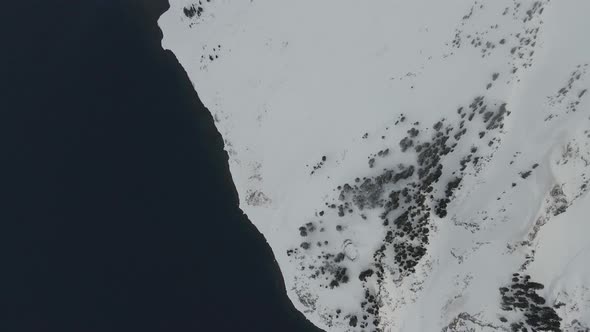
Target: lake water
{"type": "Point", "coordinates": [118, 204]}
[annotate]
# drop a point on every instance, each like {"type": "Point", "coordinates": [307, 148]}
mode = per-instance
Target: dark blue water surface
{"type": "Point", "coordinates": [118, 210]}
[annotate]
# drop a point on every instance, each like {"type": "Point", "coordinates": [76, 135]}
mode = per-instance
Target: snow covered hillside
{"type": "Point", "coordinates": [415, 165]}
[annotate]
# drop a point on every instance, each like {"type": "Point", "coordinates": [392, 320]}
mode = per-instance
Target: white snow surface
{"type": "Point", "coordinates": [311, 95]}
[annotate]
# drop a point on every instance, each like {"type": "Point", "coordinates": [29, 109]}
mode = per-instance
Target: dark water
{"type": "Point", "coordinates": [117, 207]}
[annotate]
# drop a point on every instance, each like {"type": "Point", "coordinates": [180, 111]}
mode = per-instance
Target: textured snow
{"type": "Point", "coordinates": [405, 158]}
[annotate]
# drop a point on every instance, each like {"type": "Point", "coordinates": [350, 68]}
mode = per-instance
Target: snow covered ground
{"type": "Point", "coordinates": [415, 165]}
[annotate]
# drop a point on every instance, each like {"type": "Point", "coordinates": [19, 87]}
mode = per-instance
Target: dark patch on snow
{"type": "Point", "coordinates": [521, 296]}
